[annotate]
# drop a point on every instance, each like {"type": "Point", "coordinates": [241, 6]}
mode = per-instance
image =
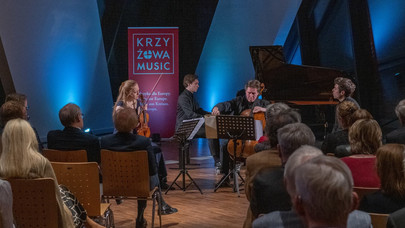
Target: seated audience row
{"type": "Point", "coordinates": [272, 195]}
{"type": "Point", "coordinates": [321, 191]}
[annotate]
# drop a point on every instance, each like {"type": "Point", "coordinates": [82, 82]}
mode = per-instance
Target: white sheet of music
{"type": "Point", "coordinates": [197, 127]}
{"type": "Point", "coordinates": [258, 129]}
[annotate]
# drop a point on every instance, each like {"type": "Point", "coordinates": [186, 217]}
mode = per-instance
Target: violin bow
{"type": "Point", "coordinates": [153, 88]}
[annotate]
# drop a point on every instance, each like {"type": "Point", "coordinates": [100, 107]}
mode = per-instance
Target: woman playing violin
{"type": "Point", "coordinates": [128, 96]}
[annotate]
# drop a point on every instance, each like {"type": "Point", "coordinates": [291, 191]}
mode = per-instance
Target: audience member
{"type": "Point", "coordinates": [344, 112]}
{"type": "Point", "coordinates": [396, 219]}
{"type": "Point", "coordinates": [271, 111]}
{"type": "Point", "coordinates": [398, 135]}
{"type": "Point", "coordinates": [11, 110]}
{"type": "Point", "coordinates": [342, 91]}
{"type": "Point", "coordinates": [365, 138]}
{"type": "Point", "coordinates": [6, 205]}
{"type": "Point", "coordinates": [324, 192]}
{"type": "Point", "coordinates": [128, 96]}
{"type": "Point", "coordinates": [278, 219]}
{"type": "Point", "coordinates": [22, 99]}
{"type": "Point", "coordinates": [72, 137]}
{"type": "Point", "coordinates": [391, 170]}
{"type": "Point", "coordinates": [344, 149]}
{"type": "Point", "coordinates": [125, 120]}
{"type": "Point", "coordinates": [20, 159]}
{"type": "Point", "coordinates": [290, 137]}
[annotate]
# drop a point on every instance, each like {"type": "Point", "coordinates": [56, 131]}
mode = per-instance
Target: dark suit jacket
{"type": "Point", "coordinates": [72, 138]}
{"type": "Point", "coordinates": [126, 142]}
{"type": "Point", "coordinates": [396, 136]}
{"type": "Point", "coordinates": [378, 202]}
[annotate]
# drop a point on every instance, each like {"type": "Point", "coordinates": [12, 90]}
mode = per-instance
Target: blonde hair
{"type": "Point", "coordinates": [390, 168]}
{"type": "Point", "coordinates": [19, 157]}
{"type": "Point", "coordinates": [124, 90]}
{"type": "Point", "coordinates": [365, 136]}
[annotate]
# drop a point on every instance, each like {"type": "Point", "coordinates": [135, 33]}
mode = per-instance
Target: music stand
{"type": "Point", "coordinates": [235, 128]}
{"type": "Point", "coordinates": [186, 132]}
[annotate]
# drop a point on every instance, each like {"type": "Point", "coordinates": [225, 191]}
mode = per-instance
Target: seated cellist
{"type": "Point", "coordinates": [235, 107]}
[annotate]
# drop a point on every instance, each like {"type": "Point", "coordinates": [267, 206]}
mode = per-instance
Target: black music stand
{"type": "Point", "coordinates": [186, 132]}
{"type": "Point", "coordinates": [235, 128]}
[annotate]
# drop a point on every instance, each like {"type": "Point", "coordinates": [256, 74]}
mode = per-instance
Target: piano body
{"type": "Point", "coordinates": [307, 88]}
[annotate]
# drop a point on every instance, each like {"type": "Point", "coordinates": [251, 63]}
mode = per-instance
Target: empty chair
{"type": "Point", "coordinates": [82, 179]}
{"type": "Point", "coordinates": [65, 155]}
{"type": "Point", "coordinates": [127, 174]}
{"type": "Point", "coordinates": [34, 202]}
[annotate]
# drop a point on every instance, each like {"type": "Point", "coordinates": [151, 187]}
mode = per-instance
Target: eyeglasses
{"type": "Point", "coordinates": [27, 107]}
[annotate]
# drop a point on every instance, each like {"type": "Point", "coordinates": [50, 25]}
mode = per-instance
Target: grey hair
{"type": "Point", "coordinates": [300, 156]}
{"type": "Point", "coordinates": [400, 111]}
{"type": "Point", "coordinates": [275, 109]}
{"type": "Point", "coordinates": [292, 136]}
{"type": "Point", "coordinates": [324, 185]}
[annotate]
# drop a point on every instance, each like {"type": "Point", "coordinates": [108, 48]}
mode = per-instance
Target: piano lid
{"type": "Point", "coordinates": [288, 82]}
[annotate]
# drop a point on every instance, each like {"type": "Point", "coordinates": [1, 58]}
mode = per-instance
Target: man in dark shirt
{"type": "Point", "coordinates": [72, 137]}
{"type": "Point", "coordinates": [236, 106]}
{"type": "Point", "coordinates": [188, 108]}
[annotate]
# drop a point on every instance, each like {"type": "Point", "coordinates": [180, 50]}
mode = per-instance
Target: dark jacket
{"type": "Point", "coordinates": [188, 108]}
{"type": "Point", "coordinates": [237, 105]}
{"type": "Point", "coordinates": [72, 138]}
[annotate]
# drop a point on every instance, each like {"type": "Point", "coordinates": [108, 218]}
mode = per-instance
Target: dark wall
{"type": "Point", "coordinates": [370, 46]}
{"type": "Point", "coordinates": [192, 17]}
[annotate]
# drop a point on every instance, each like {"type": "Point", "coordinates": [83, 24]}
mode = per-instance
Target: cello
{"type": "Point", "coordinates": [143, 128]}
{"type": "Point", "coordinates": [245, 148]}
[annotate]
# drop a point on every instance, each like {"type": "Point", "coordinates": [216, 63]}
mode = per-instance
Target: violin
{"type": "Point", "coordinates": [143, 129]}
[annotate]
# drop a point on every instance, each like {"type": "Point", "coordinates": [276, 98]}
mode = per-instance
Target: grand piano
{"type": "Point", "coordinates": [306, 88]}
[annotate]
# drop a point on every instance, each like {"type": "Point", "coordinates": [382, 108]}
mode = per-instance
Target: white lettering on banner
{"type": "Point", "coordinates": [154, 66]}
{"type": "Point", "coordinates": [151, 42]}
{"type": "Point", "coordinates": [156, 54]}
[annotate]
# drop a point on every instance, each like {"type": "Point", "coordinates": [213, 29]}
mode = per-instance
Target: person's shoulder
{"type": "Point", "coordinates": [358, 219]}
{"type": "Point", "coordinates": [278, 219]}
{"type": "Point", "coordinates": [54, 132]}
{"type": "Point", "coordinates": [107, 137]}
{"type": "Point", "coordinates": [142, 139]}
{"type": "Point", "coordinates": [272, 219]}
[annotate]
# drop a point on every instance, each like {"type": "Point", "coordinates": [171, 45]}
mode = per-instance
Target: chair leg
{"type": "Point", "coordinates": [153, 209]}
{"type": "Point", "coordinates": [159, 195]}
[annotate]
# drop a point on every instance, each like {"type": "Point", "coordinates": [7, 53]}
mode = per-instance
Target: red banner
{"type": "Point", "coordinates": [153, 52]}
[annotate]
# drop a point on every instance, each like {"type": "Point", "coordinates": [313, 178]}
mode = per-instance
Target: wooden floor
{"type": "Point", "coordinates": [211, 209]}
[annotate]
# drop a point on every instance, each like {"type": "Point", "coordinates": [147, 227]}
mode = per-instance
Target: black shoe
{"type": "Point", "coordinates": [165, 186]}
{"type": "Point", "coordinates": [167, 209]}
{"type": "Point", "coordinates": [141, 224]}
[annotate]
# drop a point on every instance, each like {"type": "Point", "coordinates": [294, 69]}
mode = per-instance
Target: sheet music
{"type": "Point", "coordinates": [196, 128]}
{"type": "Point", "coordinates": [258, 129]}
